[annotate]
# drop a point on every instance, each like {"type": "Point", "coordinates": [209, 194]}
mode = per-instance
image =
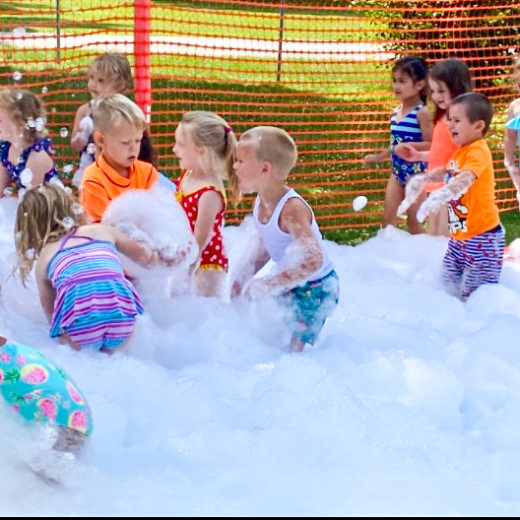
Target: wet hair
{"type": "Point", "coordinates": [115, 69]}
{"type": "Point", "coordinates": [25, 109]}
{"type": "Point", "coordinates": [211, 131]}
{"type": "Point", "coordinates": [415, 67]}
{"type": "Point", "coordinates": [45, 214]}
{"type": "Point", "coordinates": [455, 74]}
{"type": "Point", "coordinates": [478, 108]}
{"type": "Point", "coordinates": [111, 110]}
{"type": "Point", "coordinates": [273, 144]}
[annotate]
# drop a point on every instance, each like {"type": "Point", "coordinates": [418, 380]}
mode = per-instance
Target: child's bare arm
{"type": "Point", "coordinates": [415, 185]}
{"type": "Point", "coordinates": [46, 291]}
{"type": "Point", "coordinates": [383, 155]}
{"type": "Point", "coordinates": [79, 137]}
{"type": "Point", "coordinates": [39, 163]}
{"type": "Point", "coordinates": [4, 179]}
{"type": "Point", "coordinates": [136, 251]}
{"type": "Point", "coordinates": [456, 187]}
{"type": "Point", "coordinates": [306, 253]}
{"type": "Point", "coordinates": [254, 258]}
{"type": "Point", "coordinates": [210, 205]}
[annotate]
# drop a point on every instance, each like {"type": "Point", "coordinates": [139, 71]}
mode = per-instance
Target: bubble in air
{"type": "Point", "coordinates": [359, 203]}
{"type": "Point", "coordinates": [91, 148]}
{"type": "Point", "coordinates": [68, 168]}
{"type": "Point", "coordinates": [45, 90]}
{"type": "Point", "coordinates": [64, 132]}
{"type": "Point", "coordinates": [77, 208]}
{"type": "Point", "coordinates": [17, 75]}
{"type": "Point", "coordinates": [8, 191]}
{"type": "Point", "coordinates": [30, 254]}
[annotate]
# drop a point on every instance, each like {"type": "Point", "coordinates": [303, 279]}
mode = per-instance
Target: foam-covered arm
{"type": "Point", "coordinates": [456, 187]}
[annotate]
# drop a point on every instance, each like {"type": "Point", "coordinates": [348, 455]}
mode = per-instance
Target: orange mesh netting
{"type": "Point", "coordinates": [318, 68]}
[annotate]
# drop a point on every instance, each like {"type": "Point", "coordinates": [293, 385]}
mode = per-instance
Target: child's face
{"type": "Point", "coordinates": [9, 130]}
{"type": "Point", "coordinates": [462, 129]}
{"type": "Point", "coordinates": [120, 146]}
{"type": "Point", "coordinates": [98, 84]}
{"type": "Point", "coordinates": [440, 94]}
{"type": "Point", "coordinates": [248, 167]}
{"type": "Point", "coordinates": [404, 86]}
{"type": "Point", "coordinates": [186, 151]}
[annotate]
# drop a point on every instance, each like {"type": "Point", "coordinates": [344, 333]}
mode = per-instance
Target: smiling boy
{"type": "Point", "coordinates": [476, 246]}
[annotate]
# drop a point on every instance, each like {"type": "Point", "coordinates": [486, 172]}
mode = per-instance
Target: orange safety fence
{"type": "Point", "coordinates": [321, 69]}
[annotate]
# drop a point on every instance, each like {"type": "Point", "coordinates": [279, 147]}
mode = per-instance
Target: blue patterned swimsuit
{"type": "Point", "coordinates": [15, 170]}
{"type": "Point", "coordinates": [405, 131]}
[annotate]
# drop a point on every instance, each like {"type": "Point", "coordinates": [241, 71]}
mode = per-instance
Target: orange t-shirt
{"type": "Point", "coordinates": [441, 151]}
{"type": "Point", "coordinates": [476, 211]}
{"type": "Point", "coordinates": [101, 183]}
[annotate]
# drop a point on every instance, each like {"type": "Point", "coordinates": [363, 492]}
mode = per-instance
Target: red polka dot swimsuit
{"type": "Point", "coordinates": [213, 256]}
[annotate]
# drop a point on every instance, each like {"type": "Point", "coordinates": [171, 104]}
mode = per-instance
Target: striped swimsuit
{"type": "Point", "coordinates": [95, 304]}
{"type": "Point", "coordinates": [407, 130]}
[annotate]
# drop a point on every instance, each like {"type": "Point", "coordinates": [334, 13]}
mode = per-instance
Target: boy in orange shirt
{"type": "Point", "coordinates": [118, 129]}
{"type": "Point", "coordinates": [476, 247]}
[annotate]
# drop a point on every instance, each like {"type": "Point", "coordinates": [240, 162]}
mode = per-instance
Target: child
{"type": "Point", "coordinates": [205, 145]}
{"type": "Point", "coordinates": [25, 152]}
{"type": "Point", "coordinates": [410, 122]}
{"type": "Point", "coordinates": [447, 79]}
{"type": "Point", "coordinates": [40, 391]}
{"type": "Point", "coordinates": [306, 281]}
{"type": "Point", "coordinates": [512, 133]}
{"type": "Point", "coordinates": [109, 73]}
{"type": "Point", "coordinates": [80, 280]}
{"type": "Point", "coordinates": [118, 128]}
{"type": "Point", "coordinates": [476, 247]}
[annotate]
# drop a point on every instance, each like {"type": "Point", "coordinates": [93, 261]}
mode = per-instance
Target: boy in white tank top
{"type": "Point", "coordinates": [287, 233]}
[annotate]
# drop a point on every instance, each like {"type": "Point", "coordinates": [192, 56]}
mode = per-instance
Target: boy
{"type": "Point", "coordinates": [305, 280]}
{"type": "Point", "coordinates": [476, 246]}
{"type": "Point", "coordinates": [118, 129]}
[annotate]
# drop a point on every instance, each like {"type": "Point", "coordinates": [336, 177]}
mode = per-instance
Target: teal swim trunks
{"type": "Point", "coordinates": [39, 390]}
{"type": "Point", "coordinates": [310, 305]}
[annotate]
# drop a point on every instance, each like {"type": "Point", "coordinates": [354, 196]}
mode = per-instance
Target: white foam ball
{"type": "Point", "coordinates": [359, 203]}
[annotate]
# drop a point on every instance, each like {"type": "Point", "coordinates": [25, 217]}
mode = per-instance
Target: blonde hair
{"type": "Point", "coordinates": [110, 110]}
{"type": "Point", "coordinates": [44, 215]}
{"type": "Point", "coordinates": [209, 130]}
{"type": "Point", "coordinates": [115, 68]}
{"type": "Point", "coordinates": [273, 144]}
{"type": "Point", "coordinates": [25, 109]}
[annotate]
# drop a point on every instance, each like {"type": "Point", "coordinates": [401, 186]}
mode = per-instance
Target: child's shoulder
{"type": "Point", "coordinates": [513, 108]}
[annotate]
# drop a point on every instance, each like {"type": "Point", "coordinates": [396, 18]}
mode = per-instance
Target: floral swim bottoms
{"type": "Point", "coordinates": [39, 390]}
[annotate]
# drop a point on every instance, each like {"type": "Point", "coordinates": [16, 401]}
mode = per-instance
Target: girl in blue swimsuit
{"type": "Point", "coordinates": [25, 151]}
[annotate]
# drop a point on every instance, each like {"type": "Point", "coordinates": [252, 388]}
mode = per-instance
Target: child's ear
{"type": "Point", "coordinates": [99, 138]}
{"type": "Point", "coordinates": [420, 84]}
{"type": "Point", "coordinates": [480, 125]}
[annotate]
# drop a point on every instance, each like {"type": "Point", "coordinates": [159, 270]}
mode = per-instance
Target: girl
{"type": "Point", "coordinates": [410, 121]}
{"type": "Point", "coordinates": [40, 391]}
{"type": "Point", "coordinates": [80, 280]}
{"type": "Point", "coordinates": [512, 133]}
{"type": "Point", "coordinates": [25, 152]}
{"type": "Point", "coordinates": [447, 79]}
{"type": "Point", "coordinates": [108, 74]}
{"type": "Point", "coordinates": [205, 146]}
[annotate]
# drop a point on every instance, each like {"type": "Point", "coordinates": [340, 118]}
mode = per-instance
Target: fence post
{"type": "Point", "coordinates": [142, 66]}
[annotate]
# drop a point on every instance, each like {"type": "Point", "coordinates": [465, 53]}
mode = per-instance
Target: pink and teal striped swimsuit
{"type": "Point", "coordinates": [95, 304]}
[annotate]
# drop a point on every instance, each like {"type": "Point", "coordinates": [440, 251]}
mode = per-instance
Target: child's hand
{"type": "Point", "coordinates": [85, 129]}
{"type": "Point", "coordinates": [371, 157]}
{"type": "Point", "coordinates": [412, 191]}
{"type": "Point", "coordinates": [434, 201]}
{"type": "Point", "coordinates": [406, 151]}
{"type": "Point", "coordinates": [167, 257]}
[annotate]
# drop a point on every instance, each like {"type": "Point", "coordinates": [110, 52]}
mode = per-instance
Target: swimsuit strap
{"type": "Point", "coordinates": [72, 234]}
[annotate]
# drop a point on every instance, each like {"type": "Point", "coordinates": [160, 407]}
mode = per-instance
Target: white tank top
{"type": "Point", "coordinates": [276, 240]}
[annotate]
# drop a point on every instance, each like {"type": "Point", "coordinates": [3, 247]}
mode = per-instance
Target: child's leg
{"type": "Point", "coordinates": [209, 282]}
{"type": "Point", "coordinates": [438, 223]}
{"type": "Point", "coordinates": [394, 194]}
{"type": "Point", "coordinates": [452, 267]}
{"type": "Point", "coordinates": [484, 256]}
{"type": "Point", "coordinates": [69, 440]}
{"type": "Point", "coordinates": [414, 225]}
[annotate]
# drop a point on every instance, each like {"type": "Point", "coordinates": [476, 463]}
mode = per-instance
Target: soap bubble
{"type": "Point", "coordinates": [64, 132]}
{"type": "Point", "coordinates": [17, 75]}
{"type": "Point", "coordinates": [359, 203]}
